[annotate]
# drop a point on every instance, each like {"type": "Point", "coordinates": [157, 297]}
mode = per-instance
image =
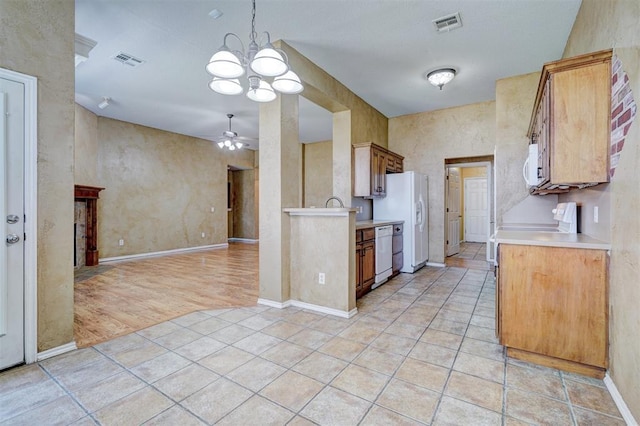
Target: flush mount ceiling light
{"type": "Point", "coordinates": [441, 76]}
{"type": "Point", "coordinates": [228, 139]}
{"type": "Point", "coordinates": [258, 62]}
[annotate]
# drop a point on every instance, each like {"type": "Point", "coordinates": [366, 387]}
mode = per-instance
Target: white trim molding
{"type": "Point", "coordinates": [309, 307]}
{"type": "Point", "coordinates": [58, 350]}
{"type": "Point", "coordinates": [30, 210]}
{"type": "Point", "coordinates": [274, 304]}
{"type": "Point", "coordinates": [435, 264]}
{"type": "Point", "coordinates": [162, 253]}
{"type": "Point", "coordinates": [617, 398]}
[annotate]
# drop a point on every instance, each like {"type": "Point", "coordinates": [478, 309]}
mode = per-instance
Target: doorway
{"type": "Point", "coordinates": [469, 205]}
{"type": "Point", "coordinates": [18, 141]}
{"type": "Point", "coordinates": [242, 204]}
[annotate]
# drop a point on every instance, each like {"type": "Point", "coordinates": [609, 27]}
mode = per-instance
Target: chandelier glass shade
{"type": "Point", "coordinates": [441, 76]}
{"type": "Point", "coordinates": [257, 62]}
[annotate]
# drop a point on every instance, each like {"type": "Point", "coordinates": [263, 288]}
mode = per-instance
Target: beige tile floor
{"type": "Point", "coordinates": [421, 350]}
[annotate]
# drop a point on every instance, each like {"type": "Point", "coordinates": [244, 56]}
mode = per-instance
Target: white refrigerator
{"type": "Point", "coordinates": [407, 195]}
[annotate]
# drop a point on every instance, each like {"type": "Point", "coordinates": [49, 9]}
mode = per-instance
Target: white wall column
{"type": "Point", "coordinates": [280, 186]}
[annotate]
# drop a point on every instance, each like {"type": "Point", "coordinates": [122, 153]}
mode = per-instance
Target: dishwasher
{"type": "Point", "coordinates": [384, 251]}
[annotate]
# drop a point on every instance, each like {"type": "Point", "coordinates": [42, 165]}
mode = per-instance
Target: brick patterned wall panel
{"type": "Point", "coordinates": [623, 111]}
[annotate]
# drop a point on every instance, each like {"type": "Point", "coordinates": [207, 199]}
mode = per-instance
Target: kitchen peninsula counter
{"type": "Point", "coordinates": [550, 239]}
{"type": "Point", "coordinates": [364, 224]}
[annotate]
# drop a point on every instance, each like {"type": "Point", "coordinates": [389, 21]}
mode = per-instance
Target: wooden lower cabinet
{"type": "Point", "coordinates": [552, 306]}
{"type": "Point", "coordinates": [365, 260]}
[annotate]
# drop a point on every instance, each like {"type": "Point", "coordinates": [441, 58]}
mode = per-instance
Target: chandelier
{"type": "Point", "coordinates": [258, 63]}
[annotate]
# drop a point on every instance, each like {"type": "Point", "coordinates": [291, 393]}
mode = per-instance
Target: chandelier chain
{"type": "Point", "coordinates": [254, 35]}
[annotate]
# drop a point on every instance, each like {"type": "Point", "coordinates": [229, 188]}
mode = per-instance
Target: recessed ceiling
{"type": "Point", "coordinates": [380, 49]}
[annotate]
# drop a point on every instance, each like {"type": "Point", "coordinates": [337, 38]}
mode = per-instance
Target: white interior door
{"type": "Point", "coordinates": [476, 208]}
{"type": "Point", "coordinates": [453, 210]}
{"type": "Point", "coordinates": [12, 138]}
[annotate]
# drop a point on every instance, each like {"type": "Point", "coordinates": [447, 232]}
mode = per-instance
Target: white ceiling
{"type": "Point", "coordinates": [380, 49]}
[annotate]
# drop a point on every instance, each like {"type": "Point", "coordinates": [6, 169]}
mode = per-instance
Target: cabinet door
{"type": "Point", "coordinates": [378, 172]}
{"type": "Point", "coordinates": [580, 124]}
{"type": "Point", "coordinates": [368, 264]}
{"type": "Point", "coordinates": [553, 301]}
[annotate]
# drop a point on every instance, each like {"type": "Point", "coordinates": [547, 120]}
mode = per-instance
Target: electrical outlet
{"type": "Point", "coordinates": [203, 235]}
{"type": "Point", "coordinates": [359, 209]}
{"type": "Point", "coordinates": [120, 242]}
{"type": "Point", "coordinates": [595, 214]}
{"type": "Point", "coordinates": [321, 278]}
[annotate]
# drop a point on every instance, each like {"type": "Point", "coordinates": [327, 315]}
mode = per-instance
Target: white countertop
{"type": "Point", "coordinates": [363, 224]}
{"type": "Point", "coordinates": [550, 239]}
{"type": "Point", "coordinates": [313, 211]}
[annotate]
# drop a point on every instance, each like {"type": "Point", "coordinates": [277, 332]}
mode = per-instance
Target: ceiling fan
{"type": "Point", "coordinates": [230, 139]}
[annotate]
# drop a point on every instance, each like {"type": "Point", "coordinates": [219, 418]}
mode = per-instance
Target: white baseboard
{"type": "Point", "coordinates": [243, 240]}
{"type": "Point", "coordinates": [617, 398]}
{"type": "Point", "coordinates": [162, 253]}
{"type": "Point", "coordinates": [274, 304]}
{"type": "Point", "coordinates": [435, 264]}
{"type": "Point", "coordinates": [59, 350]}
{"type": "Point", "coordinates": [308, 306]}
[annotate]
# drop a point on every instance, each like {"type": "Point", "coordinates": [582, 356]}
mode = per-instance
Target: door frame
{"type": "Point", "coordinates": [490, 202]}
{"type": "Point", "coordinates": [30, 210]}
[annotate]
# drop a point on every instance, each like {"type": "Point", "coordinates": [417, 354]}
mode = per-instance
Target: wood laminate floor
{"type": "Point", "coordinates": [115, 299]}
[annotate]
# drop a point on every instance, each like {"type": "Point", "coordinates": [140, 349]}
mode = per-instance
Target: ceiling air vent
{"type": "Point", "coordinates": [448, 23]}
{"type": "Point", "coordinates": [126, 59]}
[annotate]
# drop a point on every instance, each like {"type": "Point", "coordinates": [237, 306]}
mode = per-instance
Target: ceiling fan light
{"type": "Point", "coordinates": [288, 83]}
{"type": "Point", "coordinates": [226, 86]}
{"type": "Point", "coordinates": [262, 93]}
{"type": "Point", "coordinates": [232, 148]}
{"type": "Point", "coordinates": [221, 144]}
{"type": "Point", "coordinates": [441, 76]}
{"type": "Point", "coordinates": [239, 145]}
{"type": "Point", "coordinates": [225, 64]}
{"type": "Point", "coordinates": [227, 143]}
{"type": "Point", "coordinates": [269, 62]}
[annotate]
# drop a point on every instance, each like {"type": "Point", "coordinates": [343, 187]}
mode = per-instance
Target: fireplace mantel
{"type": "Point", "coordinates": [90, 195]}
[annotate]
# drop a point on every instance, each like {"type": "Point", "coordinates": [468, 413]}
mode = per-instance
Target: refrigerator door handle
{"type": "Point", "coordinates": [422, 208]}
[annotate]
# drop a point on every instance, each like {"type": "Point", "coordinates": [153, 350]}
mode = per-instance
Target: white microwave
{"type": "Point", "coordinates": [530, 168]}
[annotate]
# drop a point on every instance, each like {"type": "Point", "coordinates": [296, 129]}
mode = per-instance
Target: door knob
{"type": "Point", "coordinates": [12, 239]}
{"type": "Point", "coordinates": [12, 218]}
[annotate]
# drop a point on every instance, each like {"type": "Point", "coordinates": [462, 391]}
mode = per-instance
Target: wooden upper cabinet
{"type": "Point", "coordinates": [571, 122]}
{"type": "Point", "coordinates": [371, 163]}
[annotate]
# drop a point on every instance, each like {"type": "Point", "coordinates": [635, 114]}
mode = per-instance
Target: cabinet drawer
{"type": "Point", "coordinates": [396, 244]}
{"type": "Point", "coordinates": [397, 262]}
{"type": "Point", "coordinates": [368, 234]}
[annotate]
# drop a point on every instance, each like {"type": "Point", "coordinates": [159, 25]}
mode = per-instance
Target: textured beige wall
{"type": "Point", "coordinates": [427, 139]}
{"type": "Point", "coordinates": [514, 103]}
{"type": "Point", "coordinates": [323, 244]}
{"type": "Point", "coordinates": [159, 189]}
{"type": "Point", "coordinates": [318, 173]}
{"type": "Point", "coordinates": [602, 25]}
{"type": "Point", "coordinates": [36, 38]}
{"type": "Point", "coordinates": [245, 186]}
{"type": "Point", "coordinates": [85, 151]}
